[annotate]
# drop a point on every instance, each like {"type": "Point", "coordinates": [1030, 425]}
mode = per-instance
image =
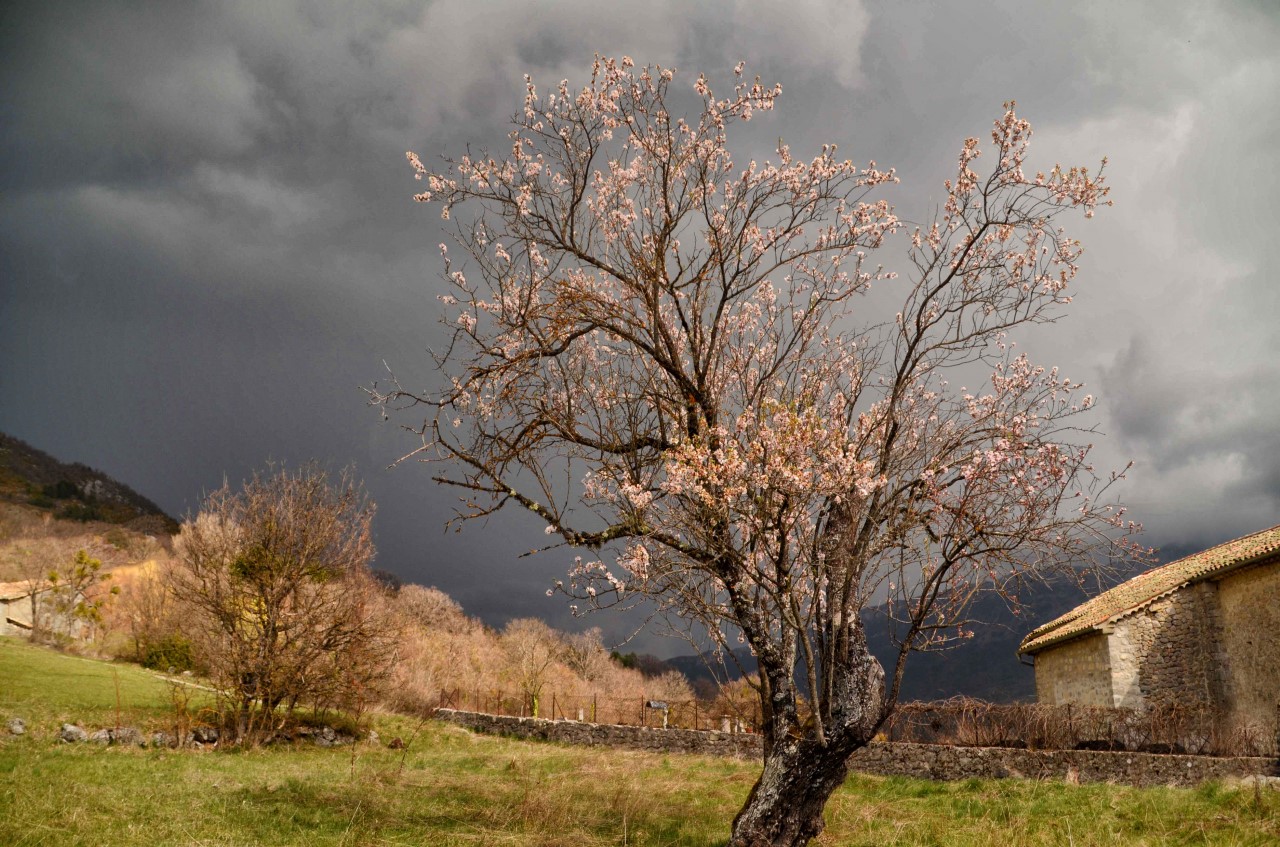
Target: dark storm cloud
{"type": "Point", "coordinates": [207, 243]}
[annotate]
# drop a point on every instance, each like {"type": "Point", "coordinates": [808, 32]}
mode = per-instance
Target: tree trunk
{"type": "Point", "coordinates": [785, 807]}
{"type": "Point", "coordinates": [800, 772]}
{"type": "Point", "coordinates": [242, 721]}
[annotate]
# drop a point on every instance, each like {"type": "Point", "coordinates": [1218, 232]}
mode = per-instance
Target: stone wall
{"type": "Point", "coordinates": [928, 761]}
{"type": "Point", "coordinates": [1250, 608]}
{"type": "Point", "coordinates": [1170, 651]}
{"type": "Point", "coordinates": [1077, 671]}
{"type": "Point", "coordinates": [1214, 645]}
{"type": "Point", "coordinates": [610, 735]}
{"type": "Point", "coordinates": [935, 761]}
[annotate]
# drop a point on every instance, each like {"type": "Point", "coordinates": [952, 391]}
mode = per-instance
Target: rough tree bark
{"type": "Point", "coordinates": [800, 773]}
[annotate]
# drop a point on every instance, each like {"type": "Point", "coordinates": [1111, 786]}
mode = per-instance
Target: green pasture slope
{"type": "Point", "coordinates": [450, 787]}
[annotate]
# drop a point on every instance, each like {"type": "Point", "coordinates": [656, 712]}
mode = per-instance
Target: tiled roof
{"type": "Point", "coordinates": [1128, 597]}
{"type": "Point", "coordinates": [14, 590]}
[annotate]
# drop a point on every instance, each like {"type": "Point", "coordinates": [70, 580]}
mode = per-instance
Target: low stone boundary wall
{"type": "Point", "coordinates": [611, 735]}
{"type": "Point", "coordinates": [937, 761]}
{"type": "Point", "coordinates": [926, 761]}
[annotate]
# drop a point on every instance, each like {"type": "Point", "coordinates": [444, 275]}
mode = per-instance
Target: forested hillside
{"type": "Point", "coordinates": [74, 491]}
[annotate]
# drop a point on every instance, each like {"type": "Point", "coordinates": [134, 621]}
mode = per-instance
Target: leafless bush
{"type": "Point", "coordinates": [1163, 728]}
{"type": "Point", "coordinates": [283, 608]}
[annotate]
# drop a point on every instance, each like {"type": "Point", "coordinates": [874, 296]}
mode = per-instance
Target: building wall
{"type": "Point", "coordinates": [15, 616]}
{"type": "Point", "coordinates": [1214, 644]}
{"type": "Point", "coordinates": [1171, 651]}
{"type": "Point", "coordinates": [1250, 601]}
{"type": "Point", "coordinates": [1077, 671]}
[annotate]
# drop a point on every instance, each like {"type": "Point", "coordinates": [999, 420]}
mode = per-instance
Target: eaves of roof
{"type": "Point", "coordinates": [15, 590]}
{"type": "Point", "coordinates": [1129, 597]}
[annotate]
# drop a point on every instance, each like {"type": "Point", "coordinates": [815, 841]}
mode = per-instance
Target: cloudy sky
{"type": "Point", "coordinates": [207, 241]}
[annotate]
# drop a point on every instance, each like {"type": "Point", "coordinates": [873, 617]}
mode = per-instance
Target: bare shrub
{"type": "Point", "coordinates": [1162, 728]}
{"type": "Point", "coordinates": [150, 616]}
{"type": "Point", "coordinates": [283, 608]}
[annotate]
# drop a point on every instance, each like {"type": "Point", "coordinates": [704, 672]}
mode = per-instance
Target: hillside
{"type": "Point", "coordinates": [986, 666]}
{"type": "Point", "coordinates": [74, 491]}
{"type": "Point", "coordinates": [50, 510]}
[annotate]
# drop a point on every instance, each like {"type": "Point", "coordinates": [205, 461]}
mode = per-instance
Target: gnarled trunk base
{"type": "Point", "coordinates": [785, 807]}
{"type": "Point", "coordinates": [801, 773]}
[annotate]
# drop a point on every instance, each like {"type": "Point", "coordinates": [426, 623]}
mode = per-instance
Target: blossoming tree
{"type": "Point", "coordinates": [658, 351]}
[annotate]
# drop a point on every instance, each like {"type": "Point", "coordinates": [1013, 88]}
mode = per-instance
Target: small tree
{"type": "Point", "coordinates": [33, 563]}
{"type": "Point", "coordinates": [661, 354]}
{"type": "Point", "coordinates": [284, 610]}
{"type": "Point", "coordinates": [532, 649]}
{"type": "Point", "coordinates": [586, 656]}
{"type": "Point", "coordinates": [77, 595]}
{"type": "Point", "coordinates": [153, 617]}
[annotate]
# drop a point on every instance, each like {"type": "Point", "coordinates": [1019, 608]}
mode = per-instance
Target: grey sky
{"type": "Point", "coordinates": [207, 241]}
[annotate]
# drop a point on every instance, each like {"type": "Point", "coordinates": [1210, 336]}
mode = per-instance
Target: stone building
{"type": "Point", "coordinates": [21, 602]}
{"type": "Point", "coordinates": [1201, 631]}
{"type": "Point", "coordinates": [16, 606]}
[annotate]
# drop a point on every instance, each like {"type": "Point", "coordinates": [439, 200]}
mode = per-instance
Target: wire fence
{"type": "Point", "coordinates": [960, 721]}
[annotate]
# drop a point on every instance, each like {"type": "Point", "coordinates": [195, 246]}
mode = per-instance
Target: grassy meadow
{"type": "Point", "coordinates": [450, 787]}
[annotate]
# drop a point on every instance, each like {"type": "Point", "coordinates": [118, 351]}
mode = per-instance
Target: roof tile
{"type": "Point", "coordinates": [1128, 597]}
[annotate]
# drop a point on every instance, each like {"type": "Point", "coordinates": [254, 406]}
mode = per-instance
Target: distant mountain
{"type": "Point", "coordinates": [986, 666]}
{"type": "Point", "coordinates": [704, 672]}
{"type": "Point", "coordinates": [74, 491]}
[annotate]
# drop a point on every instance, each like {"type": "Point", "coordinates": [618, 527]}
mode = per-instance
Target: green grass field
{"type": "Point", "coordinates": [452, 787]}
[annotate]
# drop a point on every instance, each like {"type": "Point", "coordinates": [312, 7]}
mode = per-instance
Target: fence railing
{"type": "Point", "coordinates": [959, 721]}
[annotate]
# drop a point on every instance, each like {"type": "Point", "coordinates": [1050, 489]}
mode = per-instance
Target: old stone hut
{"type": "Point", "coordinates": [21, 602]}
{"type": "Point", "coordinates": [16, 606]}
{"type": "Point", "coordinates": [1201, 631]}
